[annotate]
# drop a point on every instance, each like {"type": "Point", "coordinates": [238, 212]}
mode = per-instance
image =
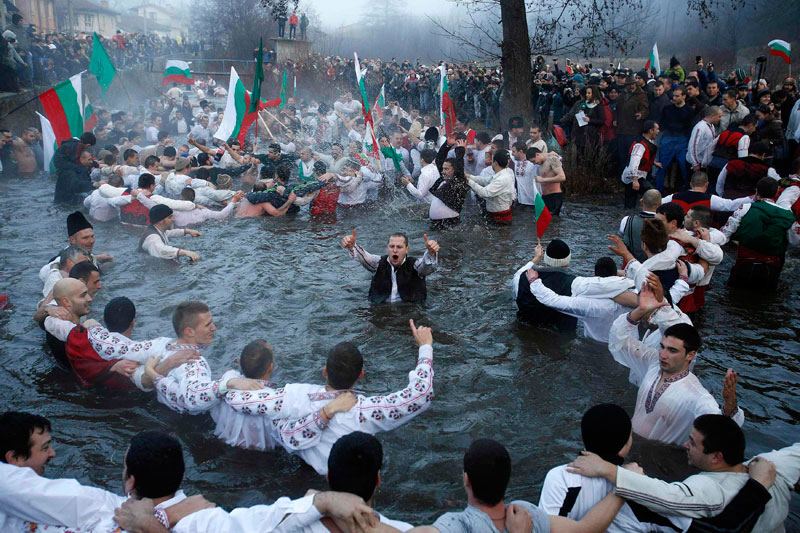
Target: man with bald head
{"type": "Point", "coordinates": [631, 226]}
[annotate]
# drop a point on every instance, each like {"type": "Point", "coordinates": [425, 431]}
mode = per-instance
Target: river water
{"type": "Point", "coordinates": [288, 281]}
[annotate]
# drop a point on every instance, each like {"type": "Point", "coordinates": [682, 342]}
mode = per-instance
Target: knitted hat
{"type": "Point", "coordinates": [76, 222]}
{"type": "Point", "coordinates": [577, 78]}
{"type": "Point", "coordinates": [223, 181]}
{"type": "Point", "coordinates": [8, 34]}
{"type": "Point", "coordinates": [741, 75]}
{"type": "Point", "coordinates": [605, 429]}
{"type": "Point", "coordinates": [158, 213]}
{"type": "Point", "coordinates": [181, 163]}
{"type": "Point", "coordinates": [557, 254]}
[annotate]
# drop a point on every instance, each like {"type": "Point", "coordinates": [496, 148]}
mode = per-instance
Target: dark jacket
{"type": "Point", "coordinates": [72, 181]}
{"type": "Point", "coordinates": [628, 104]}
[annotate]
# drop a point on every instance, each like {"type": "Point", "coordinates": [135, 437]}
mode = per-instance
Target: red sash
{"type": "Point", "coordinates": [745, 255]}
{"type": "Point", "coordinates": [500, 216]}
{"type": "Point", "coordinates": [88, 367]}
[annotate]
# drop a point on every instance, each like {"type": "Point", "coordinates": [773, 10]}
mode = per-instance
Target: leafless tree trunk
{"type": "Point", "coordinates": [516, 60]}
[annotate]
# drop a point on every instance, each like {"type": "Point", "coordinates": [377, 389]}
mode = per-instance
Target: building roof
{"type": "Point", "coordinates": [86, 6]}
{"type": "Point", "coordinates": [136, 24]}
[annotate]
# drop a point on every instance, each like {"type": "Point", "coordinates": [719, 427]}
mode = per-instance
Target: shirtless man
{"type": "Point", "coordinates": [247, 209]}
{"type": "Point", "coordinates": [26, 160]}
{"type": "Point", "coordinates": [551, 175]}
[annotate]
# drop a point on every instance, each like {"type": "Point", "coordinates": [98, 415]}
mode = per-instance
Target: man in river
{"type": "Point", "coordinates": [26, 159]}
{"type": "Point", "coordinates": [551, 176]}
{"type": "Point", "coordinates": [398, 276]}
{"type": "Point", "coordinates": [155, 240]}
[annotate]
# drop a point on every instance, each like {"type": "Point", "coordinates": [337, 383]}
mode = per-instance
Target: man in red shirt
{"type": "Point", "coordinates": [293, 21]}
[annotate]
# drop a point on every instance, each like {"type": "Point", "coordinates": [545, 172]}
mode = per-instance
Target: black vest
{"type": "Point", "coordinates": [668, 279]}
{"type": "Point", "coordinates": [632, 234]}
{"type": "Point", "coordinates": [151, 230]}
{"type": "Point", "coordinates": [410, 285]}
{"type": "Point", "coordinates": [534, 312]}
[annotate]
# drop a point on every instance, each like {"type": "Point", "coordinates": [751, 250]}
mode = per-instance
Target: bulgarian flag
{"type": "Point", "coordinates": [237, 120]}
{"type": "Point", "coordinates": [64, 109]}
{"type": "Point", "coordinates": [652, 61]}
{"type": "Point", "coordinates": [177, 72]}
{"type": "Point", "coordinates": [447, 114]}
{"type": "Point", "coordinates": [370, 126]}
{"type": "Point", "coordinates": [283, 89]}
{"type": "Point", "coordinates": [49, 143]}
{"type": "Point", "coordinates": [380, 103]}
{"type": "Point", "coordinates": [542, 214]}
{"type": "Point", "coordinates": [90, 116]}
{"type": "Point", "coordinates": [781, 49]}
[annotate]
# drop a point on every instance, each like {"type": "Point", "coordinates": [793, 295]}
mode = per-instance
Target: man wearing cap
{"type": "Point", "coordinates": [81, 234]}
{"type": "Point", "coordinates": [555, 277]}
{"type": "Point", "coordinates": [155, 240]}
{"type": "Point", "coordinates": [514, 133]}
{"type": "Point", "coordinates": [180, 178]}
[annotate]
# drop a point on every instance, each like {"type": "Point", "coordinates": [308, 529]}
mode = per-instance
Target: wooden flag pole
{"type": "Point", "coordinates": [276, 119]}
{"type": "Point", "coordinates": [264, 124]}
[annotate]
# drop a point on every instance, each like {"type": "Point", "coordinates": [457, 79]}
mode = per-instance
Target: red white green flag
{"type": "Point", "coordinates": [370, 126]}
{"type": "Point", "coordinates": [781, 49]}
{"type": "Point", "coordinates": [63, 106]}
{"type": "Point", "coordinates": [237, 120]}
{"type": "Point", "coordinates": [90, 120]}
{"type": "Point", "coordinates": [177, 72]}
{"type": "Point", "coordinates": [653, 61]}
{"type": "Point", "coordinates": [542, 214]}
{"type": "Point", "coordinates": [49, 143]}
{"type": "Point", "coordinates": [380, 102]}
{"type": "Point", "coordinates": [447, 113]}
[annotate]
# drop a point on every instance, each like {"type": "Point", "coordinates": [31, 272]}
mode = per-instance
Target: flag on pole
{"type": "Point", "coordinates": [652, 61]}
{"type": "Point", "coordinates": [542, 214]}
{"type": "Point", "coordinates": [447, 113]}
{"type": "Point", "coordinates": [237, 119]}
{"type": "Point", "coordinates": [90, 117]}
{"type": "Point", "coordinates": [100, 65]}
{"type": "Point", "coordinates": [177, 72]}
{"type": "Point", "coordinates": [283, 89]}
{"type": "Point", "coordinates": [781, 49]}
{"type": "Point", "coordinates": [49, 143]}
{"type": "Point", "coordinates": [380, 103]}
{"type": "Point", "coordinates": [368, 123]}
{"type": "Point", "coordinates": [63, 107]}
{"type": "Point", "coordinates": [258, 79]}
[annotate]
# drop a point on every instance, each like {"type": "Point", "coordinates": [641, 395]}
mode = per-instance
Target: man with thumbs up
{"type": "Point", "coordinates": [398, 276]}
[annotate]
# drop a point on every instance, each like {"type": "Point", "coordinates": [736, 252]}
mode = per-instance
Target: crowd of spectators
{"type": "Point", "coordinates": [31, 58]}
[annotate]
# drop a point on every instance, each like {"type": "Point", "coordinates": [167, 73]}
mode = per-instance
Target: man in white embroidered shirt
{"type": "Point", "coordinates": [398, 276]}
{"type": "Point", "coordinates": [670, 396]}
{"type": "Point", "coordinates": [716, 447]}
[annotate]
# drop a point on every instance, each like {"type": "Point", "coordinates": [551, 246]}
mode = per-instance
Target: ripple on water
{"type": "Point", "coordinates": [288, 281]}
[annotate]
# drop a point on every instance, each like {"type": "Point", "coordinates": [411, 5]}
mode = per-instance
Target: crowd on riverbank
{"type": "Point", "coordinates": [163, 171]}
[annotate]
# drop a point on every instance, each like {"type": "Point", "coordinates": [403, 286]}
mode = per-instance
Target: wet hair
{"type": "Point", "coordinates": [605, 267]}
{"type": "Point", "coordinates": [187, 193]}
{"type": "Point", "coordinates": [672, 212]}
{"type": "Point", "coordinates": [119, 314]}
{"type": "Point", "coordinates": [275, 147]}
{"type": "Point", "coordinates": [70, 253]}
{"type": "Point", "coordinates": [150, 160]}
{"type": "Point", "coordinates": [88, 139]}
{"type": "Point", "coordinates": [654, 235]}
{"type": "Point", "coordinates": [403, 235]}
{"type": "Point", "coordinates": [531, 153]}
{"type": "Point", "coordinates": [320, 167]}
{"type": "Point", "coordinates": [721, 434]}
{"type": "Point", "coordinates": [115, 180]}
{"type": "Point", "coordinates": [344, 365]}
{"type": "Point", "coordinates": [185, 315]}
{"type": "Point", "coordinates": [501, 157]}
{"type": "Point", "coordinates": [202, 174]}
{"type": "Point", "coordinates": [648, 125]}
{"type": "Point", "coordinates": [284, 171]}
{"type": "Point", "coordinates": [520, 146]}
{"type": "Point", "coordinates": [483, 137]}
{"type": "Point", "coordinates": [202, 159]}
{"type": "Point", "coordinates": [155, 460]}
{"type": "Point", "coordinates": [428, 155]}
{"type": "Point", "coordinates": [146, 180]}
{"type": "Point", "coordinates": [83, 271]}
{"type": "Point", "coordinates": [16, 429]}
{"type": "Point", "coordinates": [702, 214]}
{"type": "Point", "coordinates": [256, 358]}
{"type": "Point", "coordinates": [698, 179]}
{"type": "Point", "coordinates": [354, 463]}
{"type": "Point", "coordinates": [499, 144]}
{"type": "Point", "coordinates": [108, 159]}
{"type": "Point", "coordinates": [686, 333]}
{"type": "Point", "coordinates": [170, 151]}
{"type": "Point", "coordinates": [488, 466]}
{"type": "Point", "coordinates": [127, 154]}
{"type": "Point", "coordinates": [767, 188]}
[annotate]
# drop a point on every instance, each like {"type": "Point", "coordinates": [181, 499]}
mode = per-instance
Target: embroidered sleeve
{"type": "Point", "coordinates": [195, 393]}
{"type": "Point", "coordinates": [111, 346]}
{"type": "Point", "coordinates": [383, 413]}
{"type": "Point", "coordinates": [300, 433]}
{"type": "Point", "coordinates": [266, 401]}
